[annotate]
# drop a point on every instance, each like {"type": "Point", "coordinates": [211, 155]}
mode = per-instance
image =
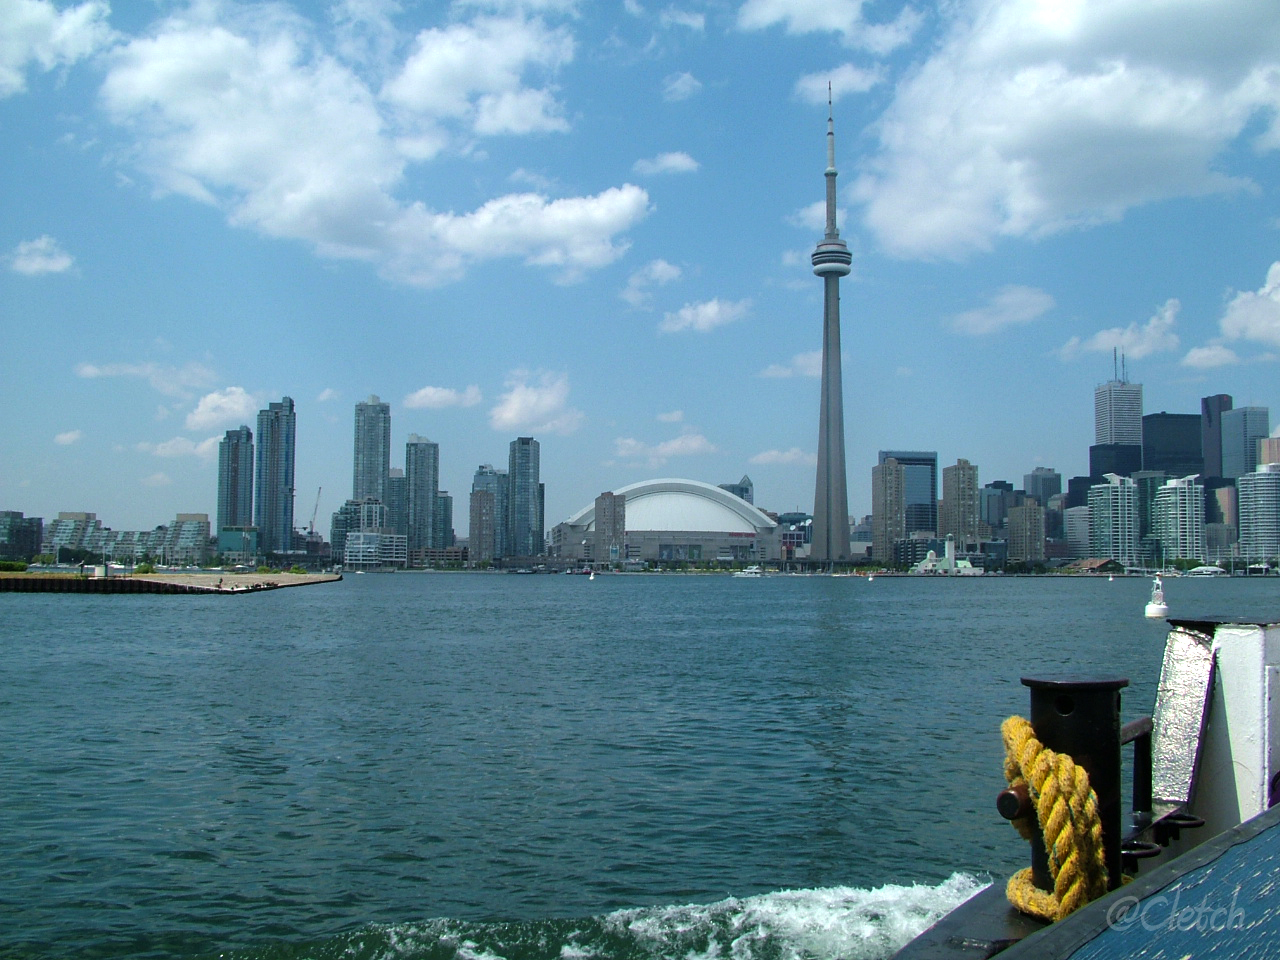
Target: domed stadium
{"type": "Point", "coordinates": [667, 520]}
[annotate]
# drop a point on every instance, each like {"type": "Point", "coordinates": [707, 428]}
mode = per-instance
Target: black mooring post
{"type": "Point", "coordinates": [1080, 716]}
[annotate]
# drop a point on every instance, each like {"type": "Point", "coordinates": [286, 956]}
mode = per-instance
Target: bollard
{"type": "Point", "coordinates": [1080, 716]}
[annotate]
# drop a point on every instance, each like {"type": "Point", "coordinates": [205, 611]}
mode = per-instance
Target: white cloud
{"type": "Point", "coordinates": [68, 438]}
{"type": "Point", "coordinates": [843, 17]}
{"type": "Point", "coordinates": [35, 31]}
{"type": "Point", "coordinates": [689, 443]}
{"type": "Point", "coordinates": [680, 86]}
{"type": "Point", "coordinates": [675, 416]}
{"type": "Point", "coordinates": [437, 398]}
{"type": "Point", "coordinates": [794, 455]}
{"type": "Point", "coordinates": [1210, 357]}
{"type": "Point", "coordinates": [1011, 306]}
{"type": "Point", "coordinates": [241, 108]}
{"type": "Point", "coordinates": [654, 273]}
{"type": "Point", "coordinates": [222, 408]}
{"type": "Point", "coordinates": [676, 162]}
{"type": "Point", "coordinates": [182, 447]}
{"type": "Point", "coordinates": [327, 394]}
{"type": "Point", "coordinates": [1135, 341]}
{"type": "Point", "coordinates": [474, 72]}
{"type": "Point", "coordinates": [844, 79]}
{"type": "Point", "coordinates": [178, 382]}
{"type": "Point", "coordinates": [704, 316]}
{"type": "Point", "coordinates": [160, 479]}
{"type": "Point", "coordinates": [536, 404]}
{"type": "Point", "coordinates": [683, 18]}
{"type": "Point", "coordinates": [807, 364]}
{"type": "Point", "coordinates": [1032, 118]}
{"type": "Point", "coordinates": [42, 255]}
{"type": "Point", "coordinates": [1256, 315]}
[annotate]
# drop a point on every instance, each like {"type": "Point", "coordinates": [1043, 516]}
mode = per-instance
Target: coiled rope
{"type": "Point", "coordinates": [1067, 810]}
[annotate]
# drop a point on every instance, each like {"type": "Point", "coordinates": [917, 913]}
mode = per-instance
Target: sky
{"type": "Point", "coordinates": [591, 222]}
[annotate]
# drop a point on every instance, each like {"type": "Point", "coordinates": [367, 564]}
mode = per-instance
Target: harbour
{"type": "Point", "coordinates": [470, 765]}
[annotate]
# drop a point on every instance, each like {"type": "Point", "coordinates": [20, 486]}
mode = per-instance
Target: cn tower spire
{"type": "Point", "coordinates": [831, 261]}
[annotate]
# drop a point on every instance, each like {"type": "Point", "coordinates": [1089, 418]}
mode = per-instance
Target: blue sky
{"type": "Point", "coordinates": [591, 223]}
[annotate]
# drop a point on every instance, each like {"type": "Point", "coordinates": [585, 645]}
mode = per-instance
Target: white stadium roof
{"type": "Point", "coordinates": [681, 505]}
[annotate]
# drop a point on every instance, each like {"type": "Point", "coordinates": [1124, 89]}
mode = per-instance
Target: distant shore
{"type": "Point", "coordinates": [169, 583]}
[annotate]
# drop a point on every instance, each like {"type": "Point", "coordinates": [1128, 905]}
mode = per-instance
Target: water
{"type": "Point", "coordinates": [475, 767]}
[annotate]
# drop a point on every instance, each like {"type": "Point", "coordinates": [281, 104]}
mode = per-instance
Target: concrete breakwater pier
{"type": "Point", "coordinates": [217, 583]}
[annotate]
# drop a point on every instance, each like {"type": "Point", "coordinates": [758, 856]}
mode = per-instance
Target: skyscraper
{"type": "Point", "coordinates": [888, 508]}
{"type": "Point", "coordinates": [610, 528]}
{"type": "Point", "coordinates": [1174, 443]}
{"type": "Point", "coordinates": [422, 479]}
{"type": "Point", "coordinates": [958, 514]}
{"type": "Point", "coordinates": [273, 508]}
{"type": "Point", "coordinates": [493, 482]}
{"type": "Point", "coordinates": [524, 499]}
{"type": "Point", "coordinates": [1113, 520]}
{"type": "Point", "coordinates": [1178, 519]}
{"type": "Point", "coordinates": [920, 490]}
{"type": "Point", "coordinates": [1211, 411]}
{"type": "Point", "coordinates": [1042, 484]}
{"type": "Point", "coordinates": [372, 460]}
{"type": "Point", "coordinates": [1117, 413]}
{"type": "Point", "coordinates": [1260, 513]}
{"type": "Point", "coordinates": [1242, 428]}
{"type": "Point", "coordinates": [235, 479]}
{"type": "Point", "coordinates": [831, 261]}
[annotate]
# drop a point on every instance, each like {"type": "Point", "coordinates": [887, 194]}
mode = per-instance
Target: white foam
{"type": "Point", "coordinates": [834, 922]}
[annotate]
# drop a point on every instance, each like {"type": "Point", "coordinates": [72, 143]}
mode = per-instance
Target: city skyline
{"type": "Point", "coordinates": [603, 241]}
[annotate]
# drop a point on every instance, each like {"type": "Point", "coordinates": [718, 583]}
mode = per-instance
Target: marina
{"type": "Point", "coordinates": [525, 767]}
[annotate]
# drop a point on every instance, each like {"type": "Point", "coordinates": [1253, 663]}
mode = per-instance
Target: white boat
{"type": "Point", "coordinates": [755, 570]}
{"type": "Point", "coordinates": [1156, 607]}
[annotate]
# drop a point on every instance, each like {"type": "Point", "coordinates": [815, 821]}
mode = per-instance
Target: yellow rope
{"type": "Point", "coordinates": [1067, 810]}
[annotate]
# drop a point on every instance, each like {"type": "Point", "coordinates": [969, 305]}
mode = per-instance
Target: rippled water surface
{"type": "Point", "coordinates": [490, 766]}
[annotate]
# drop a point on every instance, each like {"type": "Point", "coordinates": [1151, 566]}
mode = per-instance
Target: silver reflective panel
{"type": "Point", "coordinates": [1186, 681]}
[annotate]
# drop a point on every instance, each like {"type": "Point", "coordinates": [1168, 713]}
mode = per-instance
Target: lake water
{"type": "Point", "coordinates": [480, 766]}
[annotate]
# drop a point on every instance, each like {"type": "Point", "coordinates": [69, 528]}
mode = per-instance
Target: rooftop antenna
{"type": "Point", "coordinates": [1115, 368]}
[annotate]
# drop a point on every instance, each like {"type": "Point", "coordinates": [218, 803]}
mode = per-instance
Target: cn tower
{"type": "Point", "coordinates": [831, 260]}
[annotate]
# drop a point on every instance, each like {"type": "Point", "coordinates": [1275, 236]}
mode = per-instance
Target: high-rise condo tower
{"type": "Point", "coordinates": [831, 261]}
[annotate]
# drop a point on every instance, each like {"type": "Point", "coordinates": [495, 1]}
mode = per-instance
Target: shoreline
{"type": "Point", "coordinates": [165, 583]}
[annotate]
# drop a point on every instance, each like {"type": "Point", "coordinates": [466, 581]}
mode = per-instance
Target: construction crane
{"type": "Point", "coordinates": [315, 510]}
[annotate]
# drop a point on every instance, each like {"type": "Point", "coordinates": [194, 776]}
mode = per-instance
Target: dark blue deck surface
{"type": "Point", "coordinates": [1222, 899]}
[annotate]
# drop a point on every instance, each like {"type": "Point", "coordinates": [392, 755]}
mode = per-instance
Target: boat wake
{"type": "Point", "coordinates": [836, 923]}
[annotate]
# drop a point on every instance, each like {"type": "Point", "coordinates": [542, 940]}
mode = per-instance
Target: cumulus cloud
{"type": "Point", "coordinates": [680, 86]}
{"type": "Point", "coordinates": [327, 394]}
{"type": "Point", "coordinates": [704, 316]}
{"type": "Point", "coordinates": [179, 382]}
{"type": "Point", "coordinates": [437, 398]}
{"type": "Point", "coordinates": [37, 32]}
{"type": "Point", "coordinates": [536, 403]}
{"type": "Point", "coordinates": [1210, 357]}
{"type": "Point", "coordinates": [68, 438]}
{"type": "Point", "coordinates": [843, 17]}
{"type": "Point", "coordinates": [674, 416]}
{"type": "Point", "coordinates": [844, 80]}
{"type": "Point", "coordinates": [222, 408]}
{"type": "Point", "coordinates": [160, 479]}
{"type": "Point", "coordinates": [676, 162]}
{"type": "Point", "coordinates": [242, 108]}
{"type": "Point", "coordinates": [1032, 118]}
{"type": "Point", "coordinates": [1136, 340]}
{"type": "Point", "coordinates": [1011, 306]}
{"type": "Point", "coordinates": [689, 443]}
{"type": "Point", "coordinates": [654, 273]}
{"type": "Point", "coordinates": [807, 364]}
{"type": "Point", "coordinates": [182, 447]}
{"type": "Point", "coordinates": [794, 455]}
{"type": "Point", "coordinates": [1256, 315]}
{"type": "Point", "coordinates": [42, 255]}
